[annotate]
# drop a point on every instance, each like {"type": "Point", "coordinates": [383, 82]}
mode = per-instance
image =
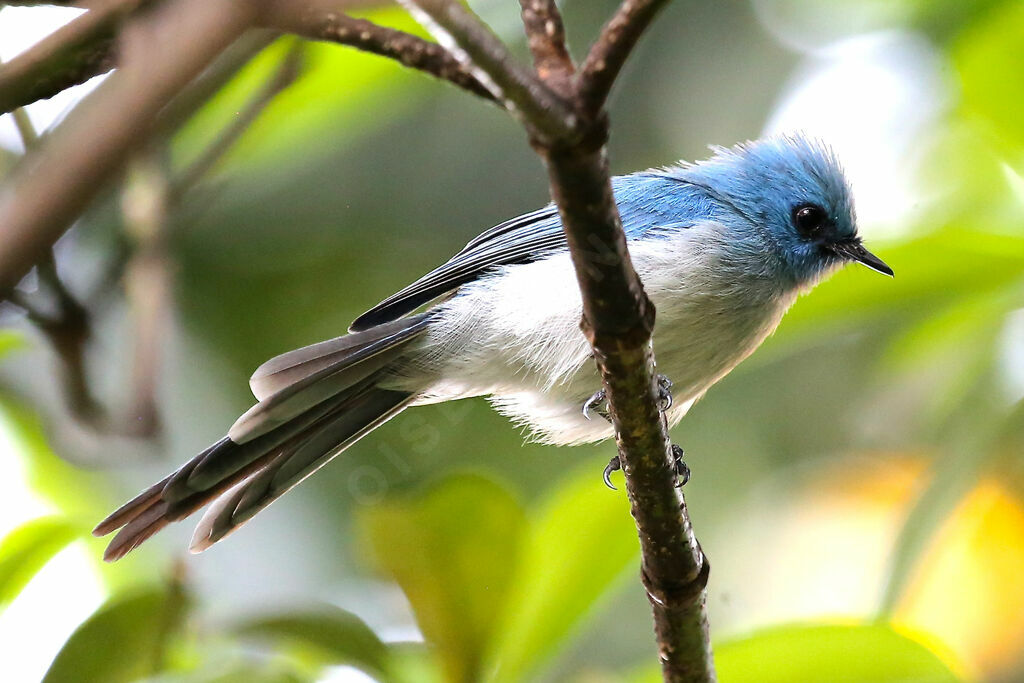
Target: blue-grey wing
{"type": "Point", "coordinates": [650, 203]}
{"type": "Point", "coordinates": [519, 240]}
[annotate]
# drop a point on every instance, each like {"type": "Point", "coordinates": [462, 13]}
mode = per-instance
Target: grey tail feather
{"type": "Point", "coordinates": [243, 478]}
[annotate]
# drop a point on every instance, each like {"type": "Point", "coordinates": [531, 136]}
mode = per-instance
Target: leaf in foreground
{"type": "Point", "coordinates": [332, 634]}
{"type": "Point", "coordinates": [825, 653]}
{"type": "Point", "coordinates": [27, 549]}
{"type": "Point", "coordinates": [124, 640]}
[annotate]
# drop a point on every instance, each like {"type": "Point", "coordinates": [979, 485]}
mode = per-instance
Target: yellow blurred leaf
{"type": "Point", "coordinates": [968, 589]}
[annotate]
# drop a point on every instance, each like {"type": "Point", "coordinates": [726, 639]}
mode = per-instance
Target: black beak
{"type": "Point", "coordinates": [855, 251]}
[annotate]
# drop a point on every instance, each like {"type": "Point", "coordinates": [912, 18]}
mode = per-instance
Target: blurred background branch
{"type": "Point", "coordinates": [92, 144]}
{"type": "Point", "coordinates": [83, 48]}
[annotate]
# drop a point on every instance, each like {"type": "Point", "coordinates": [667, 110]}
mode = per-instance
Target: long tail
{"type": "Point", "coordinates": [313, 403]}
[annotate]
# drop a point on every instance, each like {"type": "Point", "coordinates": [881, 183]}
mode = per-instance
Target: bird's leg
{"type": "Point", "coordinates": [599, 404]}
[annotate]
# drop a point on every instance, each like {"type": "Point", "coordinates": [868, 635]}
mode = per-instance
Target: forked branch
{"type": "Point", "coordinates": [563, 113]}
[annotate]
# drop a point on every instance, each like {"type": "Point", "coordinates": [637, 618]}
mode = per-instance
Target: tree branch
{"type": "Point", "coordinates": [610, 51]}
{"type": "Point", "coordinates": [65, 322]}
{"type": "Point", "coordinates": [546, 36]}
{"type": "Point", "coordinates": [618, 320]}
{"type": "Point", "coordinates": [547, 116]}
{"type": "Point", "coordinates": [567, 127]}
{"type": "Point", "coordinates": [322, 21]}
{"type": "Point", "coordinates": [74, 53]}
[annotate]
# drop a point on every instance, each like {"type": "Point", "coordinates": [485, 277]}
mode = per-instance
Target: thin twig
{"type": "Point", "coordinates": [546, 36]}
{"type": "Point", "coordinates": [149, 198]}
{"type": "Point", "coordinates": [84, 4]}
{"type": "Point", "coordinates": [610, 51]}
{"type": "Point", "coordinates": [82, 48]}
{"type": "Point", "coordinates": [206, 85]}
{"type": "Point", "coordinates": [546, 115]}
{"type": "Point", "coordinates": [322, 21]}
{"type": "Point", "coordinates": [26, 131]}
{"type": "Point", "coordinates": [65, 322]}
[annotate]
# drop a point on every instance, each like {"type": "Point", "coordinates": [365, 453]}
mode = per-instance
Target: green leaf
{"type": "Point", "coordinates": [125, 639]}
{"type": "Point", "coordinates": [824, 653]}
{"type": "Point", "coordinates": [830, 654]}
{"type": "Point", "coordinates": [581, 544]}
{"type": "Point", "coordinates": [332, 634]}
{"type": "Point", "coordinates": [453, 551]}
{"type": "Point", "coordinates": [27, 549]}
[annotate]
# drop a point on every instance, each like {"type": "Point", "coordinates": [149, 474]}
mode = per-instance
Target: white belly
{"type": "Point", "coordinates": [515, 336]}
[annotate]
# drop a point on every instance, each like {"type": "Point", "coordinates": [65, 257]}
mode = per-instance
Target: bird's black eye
{"type": "Point", "coordinates": [810, 220]}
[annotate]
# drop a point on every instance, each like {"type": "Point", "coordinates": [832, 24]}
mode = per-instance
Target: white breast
{"type": "Point", "coordinates": [515, 336]}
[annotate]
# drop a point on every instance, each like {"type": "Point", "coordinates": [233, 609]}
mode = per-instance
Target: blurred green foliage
{"type": "Point", "coordinates": [25, 551]}
{"type": "Point", "coordinates": [897, 401]}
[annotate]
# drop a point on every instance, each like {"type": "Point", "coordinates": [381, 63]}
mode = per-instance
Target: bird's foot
{"type": "Point", "coordinates": [679, 467]}
{"type": "Point", "coordinates": [598, 401]}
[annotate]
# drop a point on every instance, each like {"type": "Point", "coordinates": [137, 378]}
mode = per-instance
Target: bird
{"type": "Point", "coordinates": [723, 246]}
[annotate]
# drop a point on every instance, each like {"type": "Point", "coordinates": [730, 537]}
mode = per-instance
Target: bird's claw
{"type": "Point", "coordinates": [682, 470]}
{"type": "Point", "coordinates": [593, 402]}
{"type": "Point", "coordinates": [612, 466]}
{"type": "Point", "coordinates": [664, 393]}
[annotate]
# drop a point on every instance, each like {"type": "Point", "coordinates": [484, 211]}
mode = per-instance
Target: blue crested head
{"type": "Point", "coordinates": [792, 190]}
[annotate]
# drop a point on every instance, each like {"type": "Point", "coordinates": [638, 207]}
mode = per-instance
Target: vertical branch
{"type": "Point", "coordinates": [618, 320]}
{"type": "Point", "coordinates": [147, 284]}
{"type": "Point", "coordinates": [65, 322]}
